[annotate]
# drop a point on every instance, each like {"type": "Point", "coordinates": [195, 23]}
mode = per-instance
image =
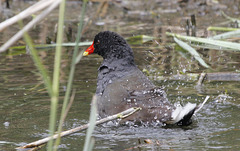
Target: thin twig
{"type": "Point", "coordinates": [18, 35]}
{"type": "Point", "coordinates": [80, 128]}
{"type": "Point", "coordinates": [37, 148]}
{"type": "Point", "coordinates": [201, 105]}
{"type": "Point", "coordinates": [201, 79]}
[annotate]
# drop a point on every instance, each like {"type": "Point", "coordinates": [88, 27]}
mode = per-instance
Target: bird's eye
{"type": "Point", "coordinates": [98, 42]}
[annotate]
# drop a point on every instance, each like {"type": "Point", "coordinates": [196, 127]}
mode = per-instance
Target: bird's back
{"type": "Point", "coordinates": [134, 89]}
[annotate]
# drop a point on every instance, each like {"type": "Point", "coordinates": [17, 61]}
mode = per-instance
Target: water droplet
{"type": "Point", "coordinates": [129, 100]}
{"type": "Point", "coordinates": [6, 124]}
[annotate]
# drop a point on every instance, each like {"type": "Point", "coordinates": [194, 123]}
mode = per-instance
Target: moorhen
{"type": "Point", "coordinates": [121, 85]}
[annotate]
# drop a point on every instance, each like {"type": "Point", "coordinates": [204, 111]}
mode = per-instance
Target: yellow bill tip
{"type": "Point", "coordinates": [85, 53]}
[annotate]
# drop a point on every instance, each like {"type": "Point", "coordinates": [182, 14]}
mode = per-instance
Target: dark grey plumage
{"type": "Point", "coordinates": [122, 85]}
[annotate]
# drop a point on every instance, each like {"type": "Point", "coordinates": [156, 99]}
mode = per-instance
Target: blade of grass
{"type": "Point", "coordinates": [219, 43]}
{"type": "Point", "coordinates": [72, 70]}
{"type": "Point", "coordinates": [139, 39]}
{"type": "Point", "coordinates": [226, 35]}
{"type": "Point", "coordinates": [39, 65]}
{"type": "Point", "coordinates": [192, 51]}
{"type": "Point", "coordinates": [68, 44]}
{"type": "Point", "coordinates": [92, 122]}
{"type": "Point", "coordinates": [207, 46]}
{"type": "Point", "coordinates": [91, 144]}
{"type": "Point", "coordinates": [211, 28]}
{"type": "Point", "coordinates": [56, 73]}
{"type": "Point", "coordinates": [51, 45]}
{"type": "Point", "coordinates": [231, 18]}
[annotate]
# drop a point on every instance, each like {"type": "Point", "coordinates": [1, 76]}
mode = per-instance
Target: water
{"type": "Point", "coordinates": [24, 102]}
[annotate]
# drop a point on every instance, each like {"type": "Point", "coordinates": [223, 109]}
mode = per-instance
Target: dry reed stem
{"type": "Point", "coordinates": [18, 35]}
{"type": "Point", "coordinates": [27, 12]}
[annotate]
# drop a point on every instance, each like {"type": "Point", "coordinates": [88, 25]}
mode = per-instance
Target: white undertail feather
{"type": "Point", "coordinates": [180, 112]}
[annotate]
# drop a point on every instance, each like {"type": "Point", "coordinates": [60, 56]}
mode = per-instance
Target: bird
{"type": "Point", "coordinates": [122, 85]}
